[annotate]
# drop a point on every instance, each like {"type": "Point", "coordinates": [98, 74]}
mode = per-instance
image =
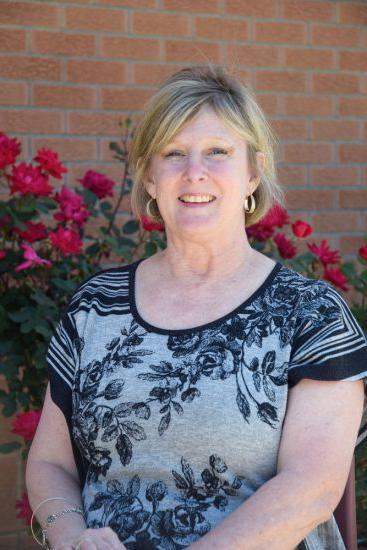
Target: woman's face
{"type": "Point", "coordinates": [205, 158]}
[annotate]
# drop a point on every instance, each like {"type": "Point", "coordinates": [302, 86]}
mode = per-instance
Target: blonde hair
{"type": "Point", "coordinates": [177, 101]}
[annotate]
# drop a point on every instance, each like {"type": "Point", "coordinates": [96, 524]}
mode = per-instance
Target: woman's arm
{"type": "Point", "coordinates": [51, 472]}
{"type": "Point", "coordinates": [317, 445]}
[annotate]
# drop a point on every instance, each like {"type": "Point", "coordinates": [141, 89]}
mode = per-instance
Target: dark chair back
{"type": "Point", "coordinates": [345, 512]}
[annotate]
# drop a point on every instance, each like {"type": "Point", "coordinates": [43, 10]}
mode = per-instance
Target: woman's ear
{"type": "Point", "coordinates": [255, 180]}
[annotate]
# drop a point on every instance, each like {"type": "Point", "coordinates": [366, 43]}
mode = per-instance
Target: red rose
{"type": "Point", "coordinates": [150, 225]}
{"type": "Point", "coordinates": [72, 207]}
{"type": "Point", "coordinates": [25, 178]}
{"type": "Point", "coordinates": [285, 246]}
{"type": "Point", "coordinates": [66, 240]}
{"type": "Point", "coordinates": [25, 424]}
{"type": "Point", "coordinates": [98, 183]}
{"type": "Point", "coordinates": [363, 252]}
{"type": "Point", "coordinates": [323, 252]}
{"type": "Point", "coordinates": [49, 163]}
{"type": "Point", "coordinates": [336, 277]}
{"type": "Point", "coordinates": [301, 229]}
{"type": "Point", "coordinates": [24, 509]}
{"type": "Point", "coordinates": [277, 216]}
{"type": "Point", "coordinates": [34, 232]}
{"type": "Point", "coordinates": [2, 254]}
{"type": "Point", "coordinates": [9, 150]}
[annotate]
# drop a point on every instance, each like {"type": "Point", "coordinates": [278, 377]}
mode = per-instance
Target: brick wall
{"type": "Point", "coordinates": [71, 69]}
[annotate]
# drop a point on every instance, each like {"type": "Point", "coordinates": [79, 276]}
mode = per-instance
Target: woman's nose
{"type": "Point", "coordinates": [195, 168]}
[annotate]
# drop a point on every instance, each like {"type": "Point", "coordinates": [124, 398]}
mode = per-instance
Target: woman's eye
{"type": "Point", "coordinates": [215, 150]}
{"type": "Point", "coordinates": [220, 151]}
{"type": "Point", "coordinates": [172, 153]}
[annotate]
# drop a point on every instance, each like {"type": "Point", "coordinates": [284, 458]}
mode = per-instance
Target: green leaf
{"type": "Point", "coordinates": [131, 226]}
{"type": "Point", "coordinates": [22, 315]}
{"type": "Point", "coordinates": [6, 448]}
{"type": "Point", "coordinates": [150, 249]}
{"type": "Point", "coordinates": [93, 249]}
{"type": "Point", "coordinates": [105, 205]}
{"type": "Point", "coordinates": [349, 269]}
{"type": "Point", "coordinates": [9, 405]}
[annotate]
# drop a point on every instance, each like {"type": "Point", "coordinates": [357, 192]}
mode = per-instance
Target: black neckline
{"type": "Point", "coordinates": [159, 330]}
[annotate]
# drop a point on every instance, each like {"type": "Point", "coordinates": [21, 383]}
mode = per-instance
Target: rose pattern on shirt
{"type": "Point", "coordinates": [165, 528]}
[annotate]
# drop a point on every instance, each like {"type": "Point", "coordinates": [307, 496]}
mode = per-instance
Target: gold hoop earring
{"type": "Point", "coordinates": [147, 208]}
{"type": "Point", "coordinates": [253, 204]}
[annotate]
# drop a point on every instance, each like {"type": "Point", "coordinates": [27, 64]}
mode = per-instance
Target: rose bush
{"type": "Point", "coordinates": [49, 243]}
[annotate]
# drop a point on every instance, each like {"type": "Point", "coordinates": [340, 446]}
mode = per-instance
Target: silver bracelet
{"type": "Point", "coordinates": [53, 517]}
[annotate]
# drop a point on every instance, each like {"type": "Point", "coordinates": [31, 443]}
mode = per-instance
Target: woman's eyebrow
{"type": "Point", "coordinates": [206, 138]}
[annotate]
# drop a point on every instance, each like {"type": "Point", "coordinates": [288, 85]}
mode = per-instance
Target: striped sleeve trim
{"type": "Point", "coordinates": [331, 344]}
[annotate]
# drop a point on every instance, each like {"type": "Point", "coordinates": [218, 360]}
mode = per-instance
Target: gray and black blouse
{"type": "Point", "coordinates": [173, 429]}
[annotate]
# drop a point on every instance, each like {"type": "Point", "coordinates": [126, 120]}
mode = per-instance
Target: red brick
{"type": "Point", "coordinates": [336, 83]}
{"type": "Point", "coordinates": [268, 103]}
{"type": "Point", "coordinates": [252, 8]}
{"type": "Point", "coordinates": [27, 542]}
{"type": "Point", "coordinates": [309, 59]}
{"type": "Point", "coordinates": [352, 106]}
{"type": "Point", "coordinates": [327, 35]}
{"type": "Point", "coordinates": [160, 23]}
{"type": "Point", "coordinates": [353, 13]}
{"type": "Point", "coordinates": [65, 97]}
{"type": "Point", "coordinates": [96, 72]}
{"type": "Point", "coordinates": [353, 61]}
{"type": "Point", "coordinates": [350, 244]}
{"type": "Point", "coordinates": [334, 175]}
{"type": "Point", "coordinates": [12, 40]}
{"type": "Point", "coordinates": [254, 56]}
{"type": "Point", "coordinates": [13, 93]}
{"type": "Point", "coordinates": [33, 122]}
{"type": "Point", "coordinates": [291, 175]}
{"type": "Point", "coordinates": [312, 153]}
{"type": "Point", "coordinates": [280, 81]}
{"type": "Point", "coordinates": [219, 28]}
{"type": "Point", "coordinates": [311, 198]}
{"type": "Point", "coordinates": [335, 221]}
{"type": "Point", "coordinates": [96, 19]}
{"type": "Point", "coordinates": [332, 130]}
{"type": "Point", "coordinates": [190, 5]}
{"type": "Point", "coordinates": [280, 32]}
{"type": "Point", "coordinates": [32, 68]}
{"type": "Point", "coordinates": [308, 10]}
{"type": "Point", "coordinates": [193, 51]}
{"type": "Point", "coordinates": [68, 148]}
{"type": "Point", "coordinates": [113, 98]}
{"type": "Point", "coordinates": [308, 105]}
{"type": "Point", "coordinates": [152, 74]}
{"type": "Point", "coordinates": [8, 486]}
{"type": "Point", "coordinates": [353, 198]}
{"type": "Point", "coordinates": [130, 48]}
{"type": "Point", "coordinates": [353, 153]}
{"type": "Point", "coordinates": [290, 129]}
{"type": "Point", "coordinates": [63, 43]}
{"type": "Point", "coordinates": [128, 3]}
{"type": "Point", "coordinates": [28, 13]}
{"type": "Point", "coordinates": [93, 124]}
{"type": "Point", "coordinates": [10, 542]}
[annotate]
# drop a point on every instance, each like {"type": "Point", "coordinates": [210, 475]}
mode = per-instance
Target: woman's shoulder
{"type": "Point", "coordinates": [105, 291]}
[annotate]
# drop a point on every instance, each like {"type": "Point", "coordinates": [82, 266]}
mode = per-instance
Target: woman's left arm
{"type": "Point", "coordinates": [315, 454]}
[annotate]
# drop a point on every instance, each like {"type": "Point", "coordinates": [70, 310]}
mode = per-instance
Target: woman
{"type": "Point", "coordinates": [207, 396]}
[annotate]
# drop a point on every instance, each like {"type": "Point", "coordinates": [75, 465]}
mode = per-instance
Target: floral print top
{"type": "Point", "coordinates": [173, 429]}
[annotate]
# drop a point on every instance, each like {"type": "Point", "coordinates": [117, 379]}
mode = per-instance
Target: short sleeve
{"type": "Point", "coordinates": [328, 342]}
{"type": "Point", "coordinates": [62, 359]}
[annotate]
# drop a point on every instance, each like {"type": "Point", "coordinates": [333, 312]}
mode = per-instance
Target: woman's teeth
{"type": "Point", "coordinates": [195, 198]}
